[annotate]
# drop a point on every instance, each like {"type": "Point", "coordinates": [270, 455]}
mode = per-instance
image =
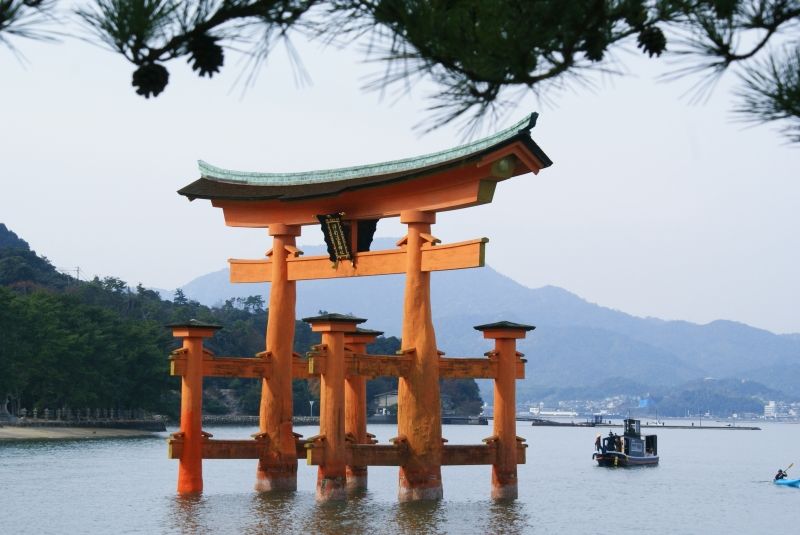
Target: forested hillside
{"type": "Point", "coordinates": [102, 344]}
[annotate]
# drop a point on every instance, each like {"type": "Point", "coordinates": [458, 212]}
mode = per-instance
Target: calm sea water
{"type": "Point", "coordinates": [707, 482]}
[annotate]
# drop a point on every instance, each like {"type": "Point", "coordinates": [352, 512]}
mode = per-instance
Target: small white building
{"type": "Point", "coordinates": [385, 401]}
{"type": "Point", "coordinates": [770, 410]}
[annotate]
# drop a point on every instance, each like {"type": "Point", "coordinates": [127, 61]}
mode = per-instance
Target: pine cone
{"type": "Point", "coordinates": [150, 79]}
{"type": "Point", "coordinates": [206, 56]}
{"type": "Point", "coordinates": [594, 47]}
{"type": "Point", "coordinates": [652, 41]}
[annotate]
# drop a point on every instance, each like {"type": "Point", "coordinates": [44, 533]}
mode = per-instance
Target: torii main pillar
{"type": "Point", "coordinates": [419, 418]}
{"type": "Point", "coordinates": [277, 470]}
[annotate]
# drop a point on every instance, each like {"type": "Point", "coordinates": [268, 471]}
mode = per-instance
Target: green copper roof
{"type": "Point", "coordinates": [349, 173]}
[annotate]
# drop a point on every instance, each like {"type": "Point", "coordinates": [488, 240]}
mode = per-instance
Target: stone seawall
{"type": "Point", "coordinates": [138, 425]}
{"type": "Point", "coordinates": [243, 420]}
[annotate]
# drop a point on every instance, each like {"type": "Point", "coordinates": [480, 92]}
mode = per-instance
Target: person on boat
{"type": "Point", "coordinates": [597, 443]}
{"type": "Point", "coordinates": [611, 441]}
{"type": "Point", "coordinates": [780, 475]}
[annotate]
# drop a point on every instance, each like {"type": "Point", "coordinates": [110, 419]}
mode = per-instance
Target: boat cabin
{"type": "Point", "coordinates": [629, 449]}
{"type": "Point", "coordinates": [632, 442]}
{"type": "Point", "coordinates": [636, 445]}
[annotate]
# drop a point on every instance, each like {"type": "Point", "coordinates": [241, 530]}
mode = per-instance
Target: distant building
{"type": "Point", "coordinates": [386, 402]}
{"type": "Point", "coordinates": [770, 410]}
{"type": "Point", "coordinates": [537, 411]}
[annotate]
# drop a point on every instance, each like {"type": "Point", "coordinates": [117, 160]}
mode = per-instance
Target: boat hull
{"type": "Point", "coordinates": [615, 458]}
{"type": "Point", "coordinates": [788, 482]}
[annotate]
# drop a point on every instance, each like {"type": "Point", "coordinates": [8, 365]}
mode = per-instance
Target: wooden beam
{"type": "Point", "coordinates": [397, 455]}
{"type": "Point", "coordinates": [377, 365]}
{"type": "Point", "coordinates": [259, 366]}
{"type": "Point", "coordinates": [355, 364]}
{"type": "Point", "coordinates": [462, 255]}
{"type": "Point", "coordinates": [465, 368]}
{"type": "Point", "coordinates": [360, 364]}
{"type": "Point", "coordinates": [476, 368]}
{"type": "Point", "coordinates": [377, 454]}
{"type": "Point", "coordinates": [230, 449]}
{"type": "Point", "coordinates": [452, 189]}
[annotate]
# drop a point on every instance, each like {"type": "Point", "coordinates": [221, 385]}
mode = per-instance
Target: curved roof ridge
{"type": "Point", "coordinates": [211, 172]}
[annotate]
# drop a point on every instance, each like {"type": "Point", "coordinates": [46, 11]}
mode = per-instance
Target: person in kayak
{"type": "Point", "coordinates": [780, 475]}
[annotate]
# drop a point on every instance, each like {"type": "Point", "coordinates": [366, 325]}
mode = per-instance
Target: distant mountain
{"type": "Point", "coordinates": [577, 344]}
{"type": "Point", "coordinates": [721, 397]}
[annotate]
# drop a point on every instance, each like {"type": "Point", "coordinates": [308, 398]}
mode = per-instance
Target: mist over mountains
{"type": "Point", "coordinates": [577, 345]}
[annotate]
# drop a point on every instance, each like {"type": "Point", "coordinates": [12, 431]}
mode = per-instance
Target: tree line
{"type": "Point", "coordinates": [102, 344]}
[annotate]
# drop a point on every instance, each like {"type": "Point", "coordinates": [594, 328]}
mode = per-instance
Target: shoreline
{"type": "Point", "coordinates": [12, 433]}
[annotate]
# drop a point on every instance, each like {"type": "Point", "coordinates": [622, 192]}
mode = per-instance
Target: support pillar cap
{"type": "Point", "coordinates": [333, 322]}
{"type": "Point", "coordinates": [193, 327]}
{"type": "Point", "coordinates": [504, 329]}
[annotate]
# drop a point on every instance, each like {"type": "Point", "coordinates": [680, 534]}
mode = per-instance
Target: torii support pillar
{"type": "Point", "coordinates": [504, 471]}
{"type": "Point", "coordinates": [277, 469]}
{"type": "Point", "coordinates": [331, 475]}
{"type": "Point", "coordinates": [190, 467]}
{"type": "Point", "coordinates": [419, 418]}
{"type": "Point", "coordinates": [355, 405]}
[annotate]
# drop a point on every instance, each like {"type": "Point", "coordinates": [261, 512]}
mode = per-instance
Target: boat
{"type": "Point", "coordinates": [788, 482]}
{"type": "Point", "coordinates": [630, 449]}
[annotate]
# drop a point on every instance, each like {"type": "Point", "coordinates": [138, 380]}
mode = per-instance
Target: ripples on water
{"type": "Point", "coordinates": [708, 482]}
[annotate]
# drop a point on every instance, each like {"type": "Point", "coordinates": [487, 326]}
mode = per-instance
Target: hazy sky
{"type": "Point", "coordinates": [653, 206]}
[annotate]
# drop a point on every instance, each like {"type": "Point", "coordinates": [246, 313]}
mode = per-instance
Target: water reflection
{"type": "Point", "coordinates": [275, 512]}
{"type": "Point", "coordinates": [186, 514]}
{"type": "Point", "coordinates": [420, 517]}
{"type": "Point", "coordinates": [359, 514]}
{"type": "Point", "coordinates": [507, 516]}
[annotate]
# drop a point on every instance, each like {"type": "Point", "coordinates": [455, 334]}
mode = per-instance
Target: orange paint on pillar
{"type": "Point", "coordinates": [419, 418]}
{"type": "Point", "coordinates": [504, 471]}
{"type": "Point", "coordinates": [355, 406]}
{"type": "Point", "coordinates": [190, 466]}
{"type": "Point", "coordinates": [331, 475]}
{"type": "Point", "coordinates": [277, 469]}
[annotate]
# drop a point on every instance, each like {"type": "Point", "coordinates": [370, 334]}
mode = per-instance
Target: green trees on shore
{"type": "Point", "coordinates": [101, 344]}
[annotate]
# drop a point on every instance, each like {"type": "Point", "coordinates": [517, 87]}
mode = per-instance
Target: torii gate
{"type": "Point", "coordinates": [348, 202]}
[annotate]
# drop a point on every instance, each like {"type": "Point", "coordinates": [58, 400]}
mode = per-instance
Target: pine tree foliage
{"type": "Point", "coordinates": [476, 51]}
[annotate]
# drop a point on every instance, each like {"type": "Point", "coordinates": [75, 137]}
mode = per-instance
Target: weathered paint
{"type": "Point", "coordinates": [277, 470]}
{"type": "Point", "coordinates": [355, 410]}
{"type": "Point", "coordinates": [504, 469]}
{"type": "Point", "coordinates": [331, 474]}
{"type": "Point", "coordinates": [418, 406]}
{"type": "Point", "coordinates": [190, 467]}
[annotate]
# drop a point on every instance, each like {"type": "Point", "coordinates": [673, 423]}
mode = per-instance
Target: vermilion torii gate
{"type": "Point", "coordinates": [348, 203]}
